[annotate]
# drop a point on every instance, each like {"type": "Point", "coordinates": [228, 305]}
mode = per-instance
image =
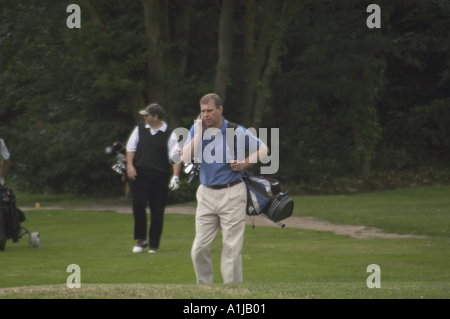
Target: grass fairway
{"type": "Point", "coordinates": [422, 210]}
{"type": "Point", "coordinates": [278, 263]}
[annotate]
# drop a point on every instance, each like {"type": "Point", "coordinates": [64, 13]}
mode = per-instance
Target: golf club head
{"type": "Point", "coordinates": [118, 146]}
{"type": "Point", "coordinates": [109, 151]}
{"type": "Point", "coordinates": [119, 168]}
{"type": "Point", "coordinates": [188, 168]}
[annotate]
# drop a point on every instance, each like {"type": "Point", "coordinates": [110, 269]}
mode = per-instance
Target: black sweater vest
{"type": "Point", "coordinates": [152, 150]}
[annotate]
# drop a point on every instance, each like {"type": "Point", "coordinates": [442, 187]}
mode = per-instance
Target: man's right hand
{"type": "Point", "coordinates": [187, 151]}
{"type": "Point", "coordinates": [131, 172]}
{"type": "Point", "coordinates": [200, 125]}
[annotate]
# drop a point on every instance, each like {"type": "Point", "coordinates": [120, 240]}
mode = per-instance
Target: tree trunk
{"type": "Point", "coordinates": [256, 60]}
{"type": "Point", "coordinates": [181, 35]}
{"type": "Point", "coordinates": [363, 153]}
{"type": "Point", "coordinates": [135, 97]}
{"type": "Point", "coordinates": [155, 57]}
{"type": "Point", "coordinates": [225, 48]}
{"type": "Point", "coordinates": [288, 12]}
{"type": "Point", "coordinates": [136, 103]}
{"type": "Point", "coordinates": [250, 15]}
{"type": "Point", "coordinates": [176, 59]}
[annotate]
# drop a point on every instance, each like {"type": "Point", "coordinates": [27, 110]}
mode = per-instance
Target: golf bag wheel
{"type": "Point", "coordinates": [35, 240]}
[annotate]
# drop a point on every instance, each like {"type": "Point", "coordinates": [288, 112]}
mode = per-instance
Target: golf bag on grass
{"type": "Point", "coordinates": [10, 219]}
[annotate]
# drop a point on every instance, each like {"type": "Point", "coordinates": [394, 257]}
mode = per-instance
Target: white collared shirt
{"type": "Point", "coordinates": [4, 153]}
{"type": "Point", "coordinates": [134, 138]}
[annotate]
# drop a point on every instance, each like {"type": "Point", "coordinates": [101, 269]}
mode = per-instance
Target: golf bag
{"type": "Point", "coordinates": [264, 196]}
{"type": "Point", "coordinates": [10, 219]}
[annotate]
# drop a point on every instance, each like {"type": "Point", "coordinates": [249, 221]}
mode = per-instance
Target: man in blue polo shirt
{"type": "Point", "coordinates": [222, 195]}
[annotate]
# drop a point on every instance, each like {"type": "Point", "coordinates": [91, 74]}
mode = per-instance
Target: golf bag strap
{"type": "Point", "coordinates": [234, 127]}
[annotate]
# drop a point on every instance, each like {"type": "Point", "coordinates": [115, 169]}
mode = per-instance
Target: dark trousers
{"type": "Point", "coordinates": [152, 189]}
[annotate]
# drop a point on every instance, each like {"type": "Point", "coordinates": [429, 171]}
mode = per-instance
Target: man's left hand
{"type": "Point", "coordinates": [174, 183]}
{"type": "Point", "coordinates": [238, 166]}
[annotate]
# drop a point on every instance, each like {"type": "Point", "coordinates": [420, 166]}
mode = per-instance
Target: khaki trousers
{"type": "Point", "coordinates": [224, 208]}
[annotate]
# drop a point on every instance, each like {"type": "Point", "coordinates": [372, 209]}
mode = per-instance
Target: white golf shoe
{"type": "Point", "coordinates": [140, 245]}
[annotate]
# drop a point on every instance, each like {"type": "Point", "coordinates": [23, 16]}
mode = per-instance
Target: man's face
{"type": "Point", "coordinates": [149, 119]}
{"type": "Point", "coordinates": [211, 115]}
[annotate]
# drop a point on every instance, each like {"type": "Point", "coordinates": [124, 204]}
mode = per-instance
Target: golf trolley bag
{"type": "Point", "coordinates": [264, 197]}
{"type": "Point", "coordinates": [10, 219]}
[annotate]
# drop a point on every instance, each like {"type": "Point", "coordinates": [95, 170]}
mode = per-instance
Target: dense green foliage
{"type": "Point", "coordinates": [353, 104]}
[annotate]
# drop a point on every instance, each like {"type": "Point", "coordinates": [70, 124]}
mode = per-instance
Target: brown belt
{"type": "Point", "coordinates": [226, 185]}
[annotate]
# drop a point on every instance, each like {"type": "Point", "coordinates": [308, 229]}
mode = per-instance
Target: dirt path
{"type": "Point", "coordinates": [306, 222]}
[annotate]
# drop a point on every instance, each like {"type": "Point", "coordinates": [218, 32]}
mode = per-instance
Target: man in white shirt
{"type": "Point", "coordinates": [149, 169]}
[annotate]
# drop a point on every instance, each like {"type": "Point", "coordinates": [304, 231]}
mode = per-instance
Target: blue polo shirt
{"type": "Point", "coordinates": [215, 154]}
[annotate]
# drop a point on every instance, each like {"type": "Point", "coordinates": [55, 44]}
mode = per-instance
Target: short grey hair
{"type": "Point", "coordinates": [211, 97]}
